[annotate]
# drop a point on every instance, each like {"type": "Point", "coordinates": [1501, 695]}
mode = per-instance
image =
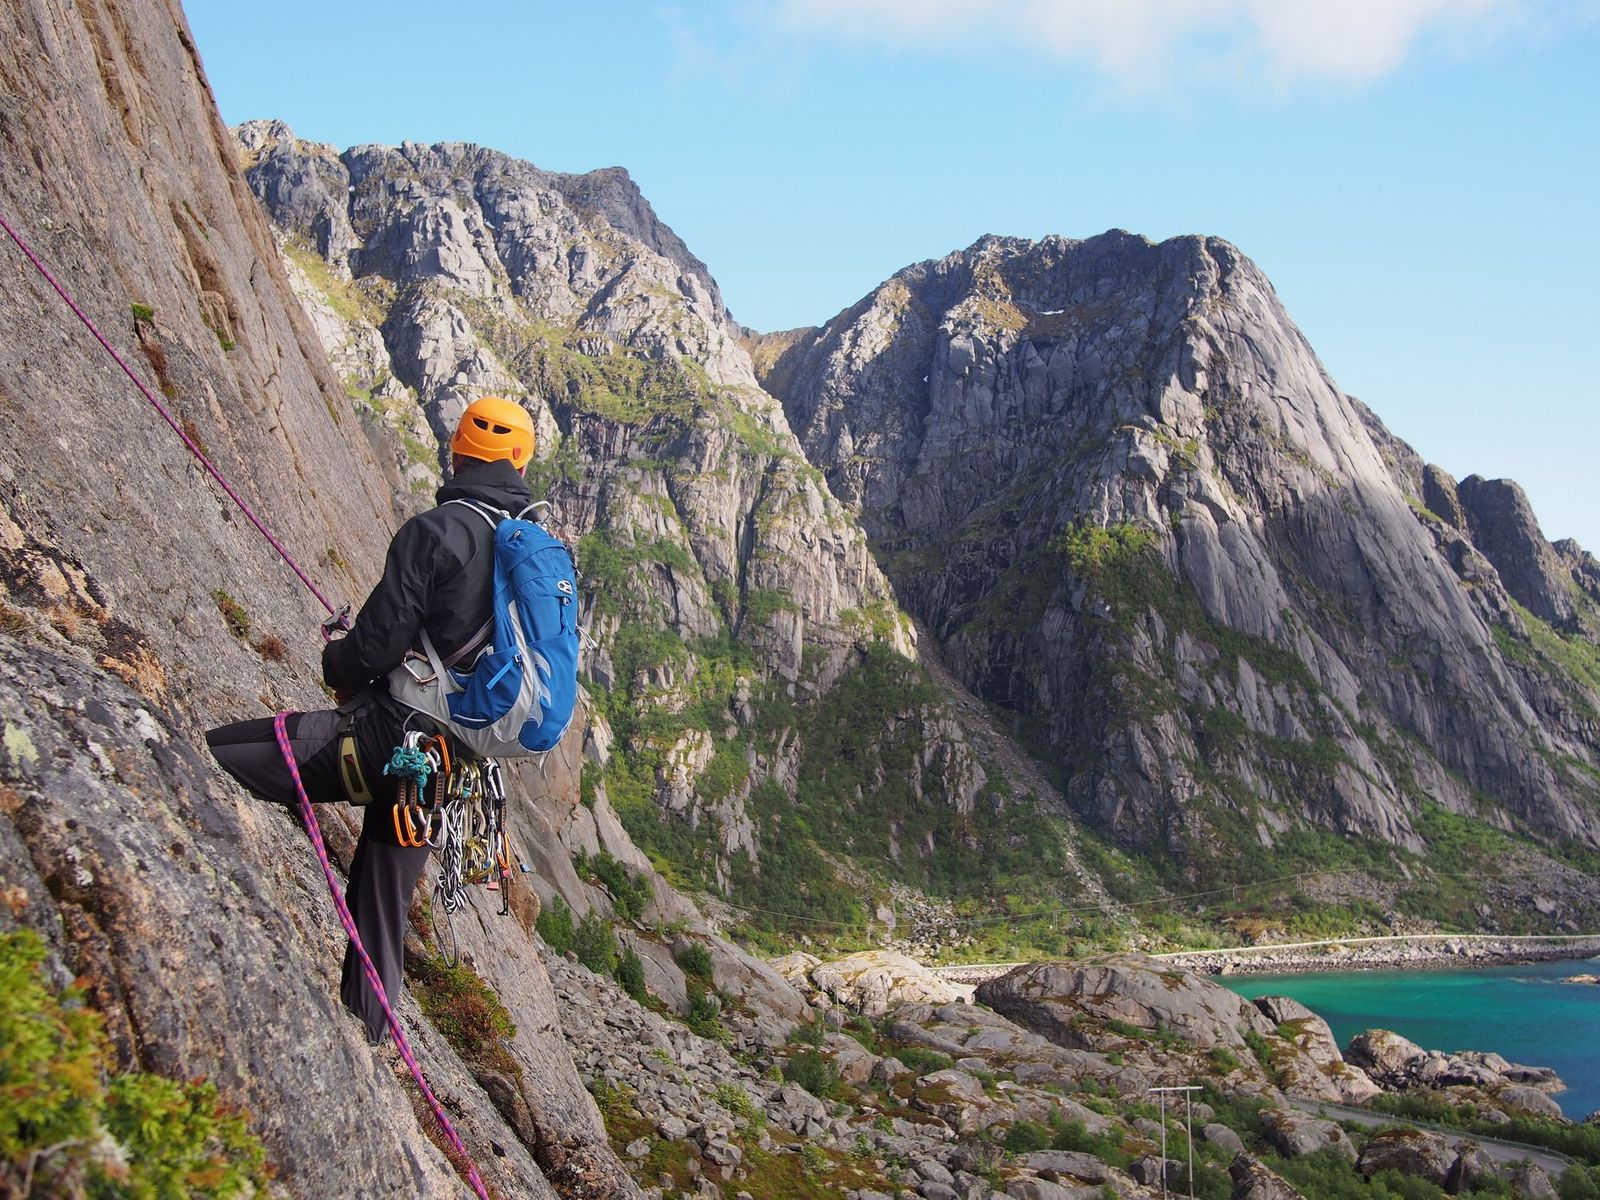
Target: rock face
{"type": "Point", "coordinates": [1117, 486]}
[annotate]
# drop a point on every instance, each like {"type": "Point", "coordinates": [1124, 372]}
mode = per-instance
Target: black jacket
{"type": "Point", "coordinates": [439, 576]}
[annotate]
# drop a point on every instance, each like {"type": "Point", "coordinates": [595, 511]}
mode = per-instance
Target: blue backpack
{"type": "Point", "coordinates": [518, 695]}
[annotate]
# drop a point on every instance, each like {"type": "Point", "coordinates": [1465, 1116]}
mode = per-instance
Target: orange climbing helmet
{"type": "Point", "coordinates": [493, 428]}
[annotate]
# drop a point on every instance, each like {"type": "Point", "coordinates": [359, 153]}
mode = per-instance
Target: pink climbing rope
{"type": "Point", "coordinates": [315, 832]}
{"type": "Point", "coordinates": [165, 414]}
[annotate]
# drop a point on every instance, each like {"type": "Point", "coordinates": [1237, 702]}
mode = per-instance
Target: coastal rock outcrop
{"type": "Point", "coordinates": [1399, 1064]}
{"type": "Point", "coordinates": [1054, 998]}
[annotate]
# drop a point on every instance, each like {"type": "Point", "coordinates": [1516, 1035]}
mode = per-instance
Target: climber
{"type": "Point", "coordinates": [438, 578]}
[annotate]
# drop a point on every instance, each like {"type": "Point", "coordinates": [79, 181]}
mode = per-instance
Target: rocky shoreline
{"type": "Point", "coordinates": [1418, 952]}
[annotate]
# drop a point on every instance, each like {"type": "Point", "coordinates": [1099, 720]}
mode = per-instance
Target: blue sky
{"type": "Point", "coordinates": [1417, 177]}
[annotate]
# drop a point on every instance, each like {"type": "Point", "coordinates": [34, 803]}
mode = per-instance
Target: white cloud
{"type": "Point", "coordinates": [1141, 43]}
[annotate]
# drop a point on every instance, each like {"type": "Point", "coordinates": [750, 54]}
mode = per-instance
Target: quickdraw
{"type": "Point", "coordinates": [472, 845]}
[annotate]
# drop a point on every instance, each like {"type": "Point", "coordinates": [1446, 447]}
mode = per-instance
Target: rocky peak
{"type": "Point", "coordinates": [1506, 531]}
{"type": "Point", "coordinates": [1116, 483]}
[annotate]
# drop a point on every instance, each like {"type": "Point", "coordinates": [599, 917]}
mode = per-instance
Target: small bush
{"type": "Point", "coordinates": [737, 1101]}
{"type": "Point", "coordinates": [808, 1069]}
{"type": "Point", "coordinates": [630, 893]}
{"type": "Point", "coordinates": [595, 944]}
{"type": "Point", "coordinates": [630, 973]}
{"type": "Point", "coordinates": [270, 646]}
{"type": "Point", "coordinates": [808, 1033]}
{"type": "Point", "coordinates": [465, 1010]}
{"type": "Point", "coordinates": [1223, 1059]}
{"type": "Point", "coordinates": [1107, 1147]}
{"type": "Point", "coordinates": [1025, 1137]}
{"type": "Point", "coordinates": [694, 958]}
{"type": "Point", "coordinates": [143, 314]}
{"type": "Point", "coordinates": [58, 1114]}
{"type": "Point", "coordinates": [233, 614]}
{"type": "Point", "coordinates": [555, 926]}
{"type": "Point", "coordinates": [705, 1016]}
{"type": "Point", "coordinates": [924, 1061]}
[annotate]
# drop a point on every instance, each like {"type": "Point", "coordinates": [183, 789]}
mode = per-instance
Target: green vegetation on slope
{"type": "Point", "coordinates": [69, 1127]}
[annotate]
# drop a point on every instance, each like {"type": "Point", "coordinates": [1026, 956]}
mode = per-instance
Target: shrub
{"type": "Point", "coordinates": [595, 944]}
{"type": "Point", "coordinates": [233, 614]}
{"type": "Point", "coordinates": [630, 893]}
{"type": "Point", "coordinates": [694, 958]}
{"type": "Point", "coordinates": [57, 1112]}
{"type": "Point", "coordinates": [816, 1074]}
{"type": "Point", "coordinates": [1107, 1147]}
{"type": "Point", "coordinates": [1579, 1183]}
{"type": "Point", "coordinates": [705, 1015]}
{"type": "Point", "coordinates": [1223, 1059]}
{"type": "Point", "coordinates": [555, 926]}
{"type": "Point", "coordinates": [924, 1061]}
{"type": "Point", "coordinates": [809, 1033]}
{"type": "Point", "coordinates": [630, 973]}
{"type": "Point", "coordinates": [1025, 1137]}
{"type": "Point", "coordinates": [465, 1010]}
{"type": "Point", "coordinates": [736, 1100]}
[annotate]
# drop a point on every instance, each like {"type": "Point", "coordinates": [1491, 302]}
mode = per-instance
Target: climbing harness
{"type": "Point", "coordinates": [338, 619]}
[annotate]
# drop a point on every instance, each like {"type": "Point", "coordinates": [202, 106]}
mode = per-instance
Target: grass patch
{"type": "Point", "coordinates": [233, 614]}
{"type": "Point", "coordinates": [465, 1010]}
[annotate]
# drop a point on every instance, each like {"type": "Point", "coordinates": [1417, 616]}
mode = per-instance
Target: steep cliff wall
{"type": "Point", "coordinates": [197, 919]}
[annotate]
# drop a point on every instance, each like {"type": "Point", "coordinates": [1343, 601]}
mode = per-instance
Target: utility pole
{"type": "Point", "coordinates": [1188, 1091]}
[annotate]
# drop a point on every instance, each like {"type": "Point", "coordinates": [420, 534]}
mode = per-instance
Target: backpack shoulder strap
{"type": "Point", "coordinates": [487, 511]}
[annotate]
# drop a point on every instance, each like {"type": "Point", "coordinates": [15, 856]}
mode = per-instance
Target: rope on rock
{"type": "Point", "coordinates": [314, 831]}
{"type": "Point", "coordinates": [166, 415]}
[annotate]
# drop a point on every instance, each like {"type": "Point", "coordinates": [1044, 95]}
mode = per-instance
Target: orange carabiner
{"type": "Point", "coordinates": [439, 744]}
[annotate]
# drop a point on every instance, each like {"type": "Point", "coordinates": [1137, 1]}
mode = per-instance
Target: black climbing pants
{"type": "Point", "coordinates": [383, 873]}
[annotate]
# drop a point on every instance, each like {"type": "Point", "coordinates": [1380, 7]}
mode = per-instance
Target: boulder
{"type": "Point", "coordinates": [1529, 1182]}
{"type": "Point", "coordinates": [1294, 1133]}
{"type": "Point", "coordinates": [1470, 1170]}
{"type": "Point", "coordinates": [1075, 1166]}
{"type": "Point", "coordinates": [1409, 1151]}
{"type": "Point", "coordinates": [1223, 1138]}
{"type": "Point", "coordinates": [1032, 1188]}
{"type": "Point", "coordinates": [1519, 1098]}
{"type": "Point", "coordinates": [875, 981]}
{"type": "Point", "coordinates": [1384, 1055]}
{"type": "Point", "coordinates": [1053, 998]}
{"type": "Point", "coordinates": [1253, 1181]}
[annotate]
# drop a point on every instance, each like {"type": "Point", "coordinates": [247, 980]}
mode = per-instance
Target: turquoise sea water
{"type": "Point", "coordinates": [1525, 1013]}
